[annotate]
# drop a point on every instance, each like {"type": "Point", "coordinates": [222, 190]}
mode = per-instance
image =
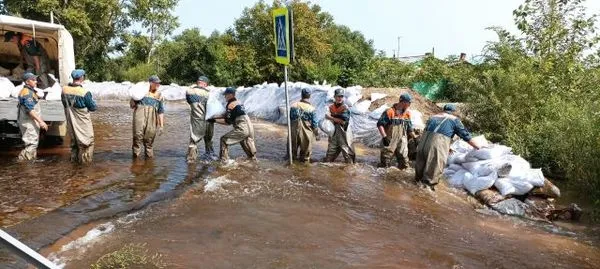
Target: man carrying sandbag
{"type": "Point", "coordinates": [243, 130]}
{"type": "Point", "coordinates": [197, 97]}
{"type": "Point", "coordinates": [395, 126]}
{"type": "Point", "coordinates": [434, 146]}
{"type": "Point", "coordinates": [30, 119]}
{"type": "Point", "coordinates": [341, 140]}
{"type": "Point", "coordinates": [78, 104]}
{"type": "Point", "coordinates": [148, 119]}
{"type": "Point", "coordinates": [304, 127]}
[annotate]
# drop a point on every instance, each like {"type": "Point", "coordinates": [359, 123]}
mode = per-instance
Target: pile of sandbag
{"type": "Point", "coordinates": [491, 166]}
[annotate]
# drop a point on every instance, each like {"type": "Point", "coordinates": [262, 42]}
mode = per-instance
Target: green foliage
{"type": "Point", "coordinates": [381, 71]}
{"type": "Point", "coordinates": [129, 257]}
{"type": "Point", "coordinates": [140, 72]}
{"type": "Point", "coordinates": [156, 17]}
{"type": "Point", "coordinates": [537, 95]}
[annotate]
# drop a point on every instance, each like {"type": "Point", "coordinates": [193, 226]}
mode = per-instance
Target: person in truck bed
{"type": "Point", "coordinates": [34, 56]}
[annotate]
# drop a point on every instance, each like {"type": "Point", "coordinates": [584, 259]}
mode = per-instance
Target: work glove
{"type": "Point", "coordinates": [386, 141]}
{"type": "Point", "coordinates": [211, 120]}
{"type": "Point", "coordinates": [160, 131]}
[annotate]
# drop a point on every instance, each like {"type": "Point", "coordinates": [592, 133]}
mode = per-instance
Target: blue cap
{"type": "Point", "coordinates": [450, 107]}
{"type": "Point", "coordinates": [405, 97]}
{"type": "Point", "coordinates": [154, 79]}
{"type": "Point", "coordinates": [338, 92]}
{"type": "Point", "coordinates": [77, 73]}
{"type": "Point", "coordinates": [203, 78]}
{"type": "Point", "coordinates": [306, 91]}
{"type": "Point", "coordinates": [28, 76]}
{"type": "Point", "coordinates": [229, 90]}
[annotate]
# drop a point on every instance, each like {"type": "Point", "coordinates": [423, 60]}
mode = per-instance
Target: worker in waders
{"type": "Point", "coordinates": [30, 118]}
{"type": "Point", "coordinates": [78, 104]}
{"type": "Point", "coordinates": [148, 119]}
{"type": "Point", "coordinates": [341, 141]}
{"type": "Point", "coordinates": [304, 127]}
{"type": "Point", "coordinates": [434, 146]}
{"type": "Point", "coordinates": [197, 97]}
{"type": "Point", "coordinates": [243, 131]}
{"type": "Point", "coordinates": [34, 55]}
{"type": "Point", "coordinates": [395, 126]}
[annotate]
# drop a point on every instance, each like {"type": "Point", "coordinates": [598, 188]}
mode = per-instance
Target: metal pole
{"type": "Point", "coordinates": [398, 51]}
{"type": "Point", "coordinates": [287, 111]}
{"type": "Point", "coordinates": [52, 17]}
{"type": "Point", "coordinates": [25, 252]}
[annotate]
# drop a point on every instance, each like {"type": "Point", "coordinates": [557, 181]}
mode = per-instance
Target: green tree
{"type": "Point", "coordinates": [94, 24]}
{"type": "Point", "coordinates": [156, 16]}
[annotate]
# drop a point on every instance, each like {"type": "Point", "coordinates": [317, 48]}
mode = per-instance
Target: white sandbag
{"type": "Point", "coordinates": [454, 167]}
{"type": "Point", "coordinates": [520, 168]}
{"type": "Point", "coordinates": [485, 170]}
{"type": "Point", "coordinates": [536, 177]}
{"type": "Point", "coordinates": [39, 92]}
{"type": "Point", "coordinates": [376, 114]}
{"type": "Point", "coordinates": [17, 90]}
{"type": "Point", "coordinates": [54, 92]}
{"type": "Point", "coordinates": [474, 184]}
{"type": "Point", "coordinates": [376, 96]}
{"type": "Point", "coordinates": [456, 158]}
{"type": "Point", "coordinates": [474, 167]}
{"type": "Point", "coordinates": [6, 87]}
{"type": "Point", "coordinates": [504, 186]}
{"type": "Point", "coordinates": [361, 107]}
{"type": "Point", "coordinates": [457, 179]}
{"type": "Point", "coordinates": [493, 152]}
{"type": "Point", "coordinates": [521, 187]}
{"type": "Point", "coordinates": [215, 105]}
{"type": "Point", "coordinates": [350, 101]}
{"type": "Point", "coordinates": [416, 118]}
{"type": "Point", "coordinates": [327, 126]}
{"type": "Point", "coordinates": [472, 159]}
{"type": "Point", "coordinates": [448, 173]}
{"type": "Point", "coordinates": [461, 146]}
{"type": "Point", "coordinates": [139, 90]}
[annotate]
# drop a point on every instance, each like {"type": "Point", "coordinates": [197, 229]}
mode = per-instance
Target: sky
{"type": "Point", "coordinates": [449, 26]}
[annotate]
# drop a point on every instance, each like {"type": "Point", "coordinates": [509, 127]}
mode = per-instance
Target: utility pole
{"type": "Point", "coordinates": [398, 47]}
{"type": "Point", "coordinates": [394, 54]}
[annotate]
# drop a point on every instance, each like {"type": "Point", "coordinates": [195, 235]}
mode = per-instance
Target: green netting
{"type": "Point", "coordinates": [429, 90]}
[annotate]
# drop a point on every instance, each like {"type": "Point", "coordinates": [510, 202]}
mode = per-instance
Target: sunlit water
{"type": "Point", "coordinates": [265, 215]}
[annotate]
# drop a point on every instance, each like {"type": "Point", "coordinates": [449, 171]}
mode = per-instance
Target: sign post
{"type": "Point", "coordinates": [282, 24]}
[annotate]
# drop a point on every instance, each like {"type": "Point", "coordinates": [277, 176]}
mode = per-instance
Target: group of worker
{"type": "Point", "coordinates": [394, 125]}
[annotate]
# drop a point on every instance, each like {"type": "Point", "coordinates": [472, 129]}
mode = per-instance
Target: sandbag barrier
{"type": "Point", "coordinates": [505, 182]}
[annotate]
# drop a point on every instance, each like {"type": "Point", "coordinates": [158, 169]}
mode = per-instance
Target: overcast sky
{"type": "Point", "coordinates": [451, 26]}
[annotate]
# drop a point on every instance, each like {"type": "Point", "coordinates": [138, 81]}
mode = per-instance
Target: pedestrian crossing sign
{"type": "Point", "coordinates": [281, 25]}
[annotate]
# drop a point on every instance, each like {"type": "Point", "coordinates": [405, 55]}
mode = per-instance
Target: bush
{"type": "Point", "coordinates": [140, 72]}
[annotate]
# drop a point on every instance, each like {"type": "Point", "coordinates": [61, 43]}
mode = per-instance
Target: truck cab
{"type": "Point", "coordinates": [58, 43]}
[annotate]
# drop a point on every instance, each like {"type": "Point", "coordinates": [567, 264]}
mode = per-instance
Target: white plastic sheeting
{"type": "Point", "coordinates": [494, 165]}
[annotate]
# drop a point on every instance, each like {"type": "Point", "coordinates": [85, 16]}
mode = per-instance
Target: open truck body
{"type": "Point", "coordinates": [58, 43]}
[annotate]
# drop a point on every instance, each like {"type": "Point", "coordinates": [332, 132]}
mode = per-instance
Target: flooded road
{"type": "Point", "coordinates": [263, 215]}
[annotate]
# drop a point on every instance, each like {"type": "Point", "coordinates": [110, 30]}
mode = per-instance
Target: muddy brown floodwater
{"type": "Point", "coordinates": [264, 215]}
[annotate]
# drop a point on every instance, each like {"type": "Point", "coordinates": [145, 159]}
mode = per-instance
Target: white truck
{"type": "Point", "coordinates": [58, 43]}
